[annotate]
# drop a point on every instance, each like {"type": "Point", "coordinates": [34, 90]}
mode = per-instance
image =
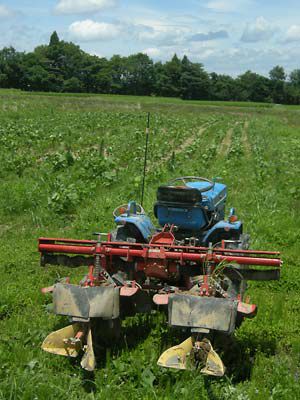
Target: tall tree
{"type": "Point", "coordinates": [138, 75]}
{"type": "Point", "coordinates": [254, 87]}
{"type": "Point", "coordinates": [194, 81]}
{"type": "Point", "coordinates": [11, 68]}
{"type": "Point", "coordinates": [277, 76]}
{"type": "Point", "coordinates": [37, 78]}
{"type": "Point", "coordinates": [54, 39]}
{"type": "Point", "coordinates": [168, 80]}
{"type": "Point", "coordinates": [292, 88]}
{"type": "Point", "coordinates": [72, 85]}
{"type": "Point", "coordinates": [117, 74]}
{"type": "Point", "coordinates": [223, 87]}
{"type": "Point", "coordinates": [294, 78]}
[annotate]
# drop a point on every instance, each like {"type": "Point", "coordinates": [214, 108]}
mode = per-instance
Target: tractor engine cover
{"type": "Point", "coordinates": [86, 302]}
{"type": "Point", "coordinates": [202, 312]}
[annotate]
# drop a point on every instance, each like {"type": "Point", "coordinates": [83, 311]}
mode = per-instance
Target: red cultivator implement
{"type": "Point", "coordinates": [196, 267]}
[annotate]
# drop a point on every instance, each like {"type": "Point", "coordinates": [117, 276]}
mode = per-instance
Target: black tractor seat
{"type": "Point", "coordinates": [178, 195]}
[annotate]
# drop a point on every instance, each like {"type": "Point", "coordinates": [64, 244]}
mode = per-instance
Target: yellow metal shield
{"type": "Point", "coordinates": [88, 361]}
{"type": "Point", "coordinates": [58, 342]}
{"type": "Point", "coordinates": [177, 356]}
{"type": "Point", "coordinates": [191, 355]}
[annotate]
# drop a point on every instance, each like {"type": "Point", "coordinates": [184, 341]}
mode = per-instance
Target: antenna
{"type": "Point", "coordinates": [145, 157]}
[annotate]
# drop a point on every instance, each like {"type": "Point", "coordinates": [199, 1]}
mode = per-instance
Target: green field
{"type": "Point", "coordinates": [68, 161]}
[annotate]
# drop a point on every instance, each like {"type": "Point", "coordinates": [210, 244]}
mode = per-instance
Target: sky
{"type": "Point", "coordinates": [226, 36]}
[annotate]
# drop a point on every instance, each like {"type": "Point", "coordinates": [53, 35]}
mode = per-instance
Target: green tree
{"type": "Point", "coordinates": [11, 68]}
{"type": "Point", "coordinates": [292, 88]}
{"type": "Point", "coordinates": [168, 78]}
{"type": "Point", "coordinates": [277, 83]}
{"type": "Point", "coordinates": [90, 71]}
{"type": "Point", "coordinates": [40, 73]}
{"type": "Point", "coordinates": [292, 94]}
{"type": "Point", "coordinates": [294, 77]}
{"type": "Point", "coordinates": [103, 80]}
{"type": "Point", "coordinates": [117, 69]}
{"type": "Point", "coordinates": [277, 74]}
{"type": "Point", "coordinates": [72, 85]}
{"type": "Point", "coordinates": [138, 75]}
{"type": "Point", "coordinates": [223, 87]}
{"type": "Point", "coordinates": [54, 39]}
{"type": "Point", "coordinates": [37, 78]}
{"type": "Point", "coordinates": [194, 81]}
{"type": "Point", "coordinates": [254, 87]}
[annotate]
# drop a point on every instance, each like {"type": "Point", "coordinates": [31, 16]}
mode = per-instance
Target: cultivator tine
{"type": "Point", "coordinates": [88, 361]}
{"type": "Point", "coordinates": [64, 342]}
{"type": "Point", "coordinates": [191, 356]}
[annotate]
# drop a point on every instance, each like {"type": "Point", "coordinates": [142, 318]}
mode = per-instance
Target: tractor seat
{"type": "Point", "coordinates": [181, 206]}
{"type": "Point", "coordinates": [178, 195]}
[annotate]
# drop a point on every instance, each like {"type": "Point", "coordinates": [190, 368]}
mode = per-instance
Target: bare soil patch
{"type": "Point", "coordinates": [226, 142]}
{"type": "Point", "coordinates": [245, 140]}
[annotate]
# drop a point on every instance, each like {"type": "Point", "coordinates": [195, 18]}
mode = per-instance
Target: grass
{"type": "Point", "coordinates": [137, 99]}
{"type": "Point", "coordinates": [68, 161]}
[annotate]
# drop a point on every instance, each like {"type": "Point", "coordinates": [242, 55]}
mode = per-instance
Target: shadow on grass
{"type": "Point", "coordinates": [88, 381]}
{"type": "Point", "coordinates": [126, 337]}
{"type": "Point", "coordinates": [239, 355]}
{"type": "Point", "coordinates": [109, 340]}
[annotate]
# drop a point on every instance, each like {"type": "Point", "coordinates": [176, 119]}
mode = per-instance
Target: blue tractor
{"type": "Point", "coordinates": [193, 205]}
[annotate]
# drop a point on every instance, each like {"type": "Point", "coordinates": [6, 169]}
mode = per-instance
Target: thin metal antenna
{"type": "Point", "coordinates": [145, 157]}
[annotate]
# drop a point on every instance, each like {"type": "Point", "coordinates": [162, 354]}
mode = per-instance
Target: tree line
{"type": "Point", "coordinates": [63, 67]}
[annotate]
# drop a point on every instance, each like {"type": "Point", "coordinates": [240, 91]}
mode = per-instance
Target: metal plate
{"type": "Point", "coordinates": [202, 312]}
{"type": "Point", "coordinates": [86, 302]}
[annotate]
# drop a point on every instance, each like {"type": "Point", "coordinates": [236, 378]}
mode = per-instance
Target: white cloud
{"type": "Point", "coordinates": [196, 51]}
{"type": "Point", "coordinates": [211, 35]}
{"type": "Point", "coordinates": [261, 29]}
{"type": "Point", "coordinates": [293, 33]}
{"type": "Point", "coordinates": [82, 6]}
{"type": "Point", "coordinates": [200, 51]}
{"type": "Point", "coordinates": [228, 5]}
{"type": "Point", "coordinates": [152, 52]}
{"type": "Point", "coordinates": [89, 30]}
{"type": "Point", "coordinates": [236, 60]}
{"type": "Point", "coordinates": [204, 54]}
{"type": "Point", "coordinates": [5, 11]}
{"type": "Point", "coordinates": [96, 53]}
{"type": "Point", "coordinates": [160, 32]}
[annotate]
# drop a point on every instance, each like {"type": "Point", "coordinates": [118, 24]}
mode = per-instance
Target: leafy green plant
{"type": "Point", "coordinates": [64, 198]}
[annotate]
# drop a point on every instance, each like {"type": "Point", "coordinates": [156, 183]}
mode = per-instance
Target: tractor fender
{"type": "Point", "coordinates": [140, 221]}
{"type": "Point", "coordinates": [223, 230]}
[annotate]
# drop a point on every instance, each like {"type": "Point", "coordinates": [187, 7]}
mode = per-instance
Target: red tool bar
{"type": "Point", "coordinates": [159, 253]}
{"type": "Point", "coordinates": [193, 248]}
{"type": "Point", "coordinates": [67, 249]}
{"type": "Point", "coordinates": [92, 243]}
{"type": "Point", "coordinates": [197, 257]}
{"type": "Point", "coordinates": [69, 241]}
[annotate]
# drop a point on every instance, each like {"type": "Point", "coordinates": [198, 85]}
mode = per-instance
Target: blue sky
{"type": "Point", "coordinates": [227, 36]}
